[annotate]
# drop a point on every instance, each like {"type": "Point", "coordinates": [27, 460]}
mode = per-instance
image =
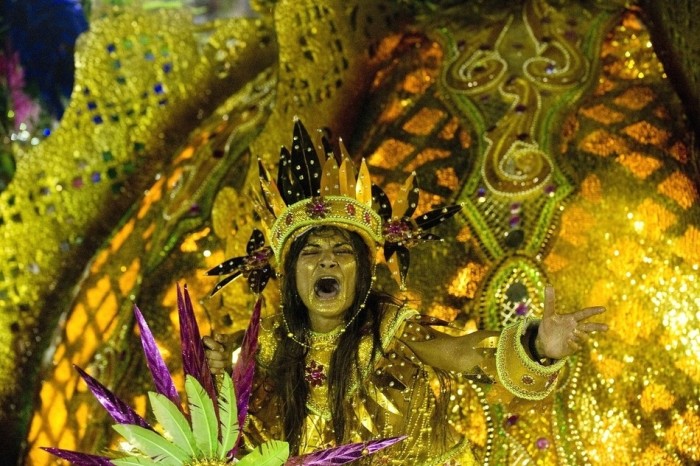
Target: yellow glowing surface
{"type": "Point", "coordinates": [603, 114]}
{"type": "Point", "coordinates": [679, 188]}
{"type": "Point", "coordinates": [423, 122]}
{"type": "Point", "coordinates": [641, 165]}
{"type": "Point", "coordinates": [603, 143]}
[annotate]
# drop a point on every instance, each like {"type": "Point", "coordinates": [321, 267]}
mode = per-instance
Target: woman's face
{"type": "Point", "coordinates": [326, 274]}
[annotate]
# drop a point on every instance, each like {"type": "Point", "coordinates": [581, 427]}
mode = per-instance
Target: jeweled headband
{"type": "Point", "coordinates": [313, 191]}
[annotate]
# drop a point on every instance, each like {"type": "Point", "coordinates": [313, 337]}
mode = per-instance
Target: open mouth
{"type": "Point", "coordinates": [327, 287]}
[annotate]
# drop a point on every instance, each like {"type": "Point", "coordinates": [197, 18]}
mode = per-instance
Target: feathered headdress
{"type": "Point", "coordinates": [313, 191]}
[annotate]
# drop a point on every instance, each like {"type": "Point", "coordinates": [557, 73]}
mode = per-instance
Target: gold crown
{"type": "Point", "coordinates": [313, 191]}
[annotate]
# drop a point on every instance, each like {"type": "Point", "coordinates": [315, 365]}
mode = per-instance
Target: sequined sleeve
{"type": "Point", "coordinates": [505, 363]}
{"type": "Point", "coordinates": [517, 372]}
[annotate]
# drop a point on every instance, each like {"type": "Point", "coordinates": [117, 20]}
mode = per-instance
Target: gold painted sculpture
{"type": "Point", "coordinates": [554, 125]}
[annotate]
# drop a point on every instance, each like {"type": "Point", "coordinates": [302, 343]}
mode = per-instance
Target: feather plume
{"type": "Point", "coordinates": [151, 444]}
{"type": "Point", "coordinates": [205, 425]}
{"type": "Point", "coordinates": [256, 241]}
{"type": "Point", "coordinates": [77, 458]}
{"type": "Point", "coordinates": [244, 370]}
{"type": "Point", "coordinates": [162, 379]}
{"type": "Point", "coordinates": [274, 201]}
{"type": "Point", "coordinates": [224, 282]}
{"type": "Point", "coordinates": [228, 413]}
{"type": "Point", "coordinates": [289, 186]}
{"type": "Point", "coordinates": [194, 361]}
{"type": "Point", "coordinates": [173, 422]}
{"type": "Point", "coordinates": [227, 267]}
{"type": "Point", "coordinates": [305, 163]}
{"type": "Point", "coordinates": [381, 202]}
{"type": "Point", "coordinates": [344, 453]}
{"type": "Point", "coordinates": [436, 216]}
{"type": "Point", "coordinates": [270, 453]}
{"type": "Point", "coordinates": [257, 279]}
{"type": "Point", "coordinates": [118, 409]}
{"type": "Point", "coordinates": [135, 461]}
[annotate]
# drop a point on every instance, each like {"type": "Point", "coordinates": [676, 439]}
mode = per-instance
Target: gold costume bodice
{"type": "Point", "coordinates": [390, 394]}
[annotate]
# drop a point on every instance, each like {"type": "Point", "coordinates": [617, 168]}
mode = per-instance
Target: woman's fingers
{"type": "Point", "coordinates": [592, 327]}
{"type": "Point", "coordinates": [587, 312]}
{"type": "Point", "coordinates": [212, 344]}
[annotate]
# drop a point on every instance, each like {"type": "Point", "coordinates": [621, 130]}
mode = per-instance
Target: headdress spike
{"type": "Point", "coordinates": [329, 180]}
{"type": "Point", "coordinates": [402, 207]}
{"type": "Point", "coordinates": [271, 194]}
{"type": "Point", "coordinates": [305, 163]}
{"type": "Point", "coordinates": [347, 178]}
{"type": "Point", "coordinates": [363, 188]}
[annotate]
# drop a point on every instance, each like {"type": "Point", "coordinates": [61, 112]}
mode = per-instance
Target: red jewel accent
{"type": "Point", "coordinates": [366, 217]}
{"type": "Point", "coordinates": [289, 219]}
{"type": "Point", "coordinates": [317, 208]}
{"type": "Point", "coordinates": [527, 380]}
{"type": "Point", "coordinates": [350, 209]}
{"type": "Point", "coordinates": [396, 231]}
{"type": "Point", "coordinates": [257, 259]}
{"type": "Point", "coordinates": [315, 375]}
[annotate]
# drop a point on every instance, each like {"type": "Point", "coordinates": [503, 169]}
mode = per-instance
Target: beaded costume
{"type": "Point", "coordinates": [391, 396]}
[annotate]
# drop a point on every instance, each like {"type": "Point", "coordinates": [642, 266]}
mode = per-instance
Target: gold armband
{"type": "Point", "coordinates": [517, 372]}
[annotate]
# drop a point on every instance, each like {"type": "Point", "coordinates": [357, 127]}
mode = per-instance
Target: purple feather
{"type": "Point", "coordinates": [244, 370]}
{"type": "Point", "coordinates": [342, 454]}
{"type": "Point", "coordinates": [159, 371]}
{"type": "Point", "coordinates": [79, 459]}
{"type": "Point", "coordinates": [119, 410]}
{"type": "Point", "coordinates": [194, 361]}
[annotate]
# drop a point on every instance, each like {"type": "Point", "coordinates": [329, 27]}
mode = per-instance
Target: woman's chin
{"type": "Point", "coordinates": [328, 310]}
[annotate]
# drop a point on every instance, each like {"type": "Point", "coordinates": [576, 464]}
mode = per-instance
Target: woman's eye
{"type": "Point", "coordinates": [344, 251]}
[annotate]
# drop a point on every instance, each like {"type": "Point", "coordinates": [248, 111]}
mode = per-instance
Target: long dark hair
{"type": "Point", "coordinates": [289, 359]}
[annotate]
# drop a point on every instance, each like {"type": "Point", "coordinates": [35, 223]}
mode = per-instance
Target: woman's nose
{"type": "Point", "coordinates": [328, 261]}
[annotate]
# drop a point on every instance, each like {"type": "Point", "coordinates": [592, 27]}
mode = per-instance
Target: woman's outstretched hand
{"type": "Point", "coordinates": [218, 352]}
{"type": "Point", "coordinates": [561, 335]}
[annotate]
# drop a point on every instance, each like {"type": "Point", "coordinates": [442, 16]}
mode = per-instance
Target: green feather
{"type": "Point", "coordinates": [174, 423]}
{"type": "Point", "coordinates": [134, 461]}
{"type": "Point", "coordinates": [271, 453]}
{"type": "Point", "coordinates": [152, 444]}
{"type": "Point", "coordinates": [204, 422]}
{"type": "Point", "coordinates": [228, 413]}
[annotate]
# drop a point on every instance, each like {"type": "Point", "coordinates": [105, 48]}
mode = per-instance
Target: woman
{"type": "Point", "coordinates": [343, 363]}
